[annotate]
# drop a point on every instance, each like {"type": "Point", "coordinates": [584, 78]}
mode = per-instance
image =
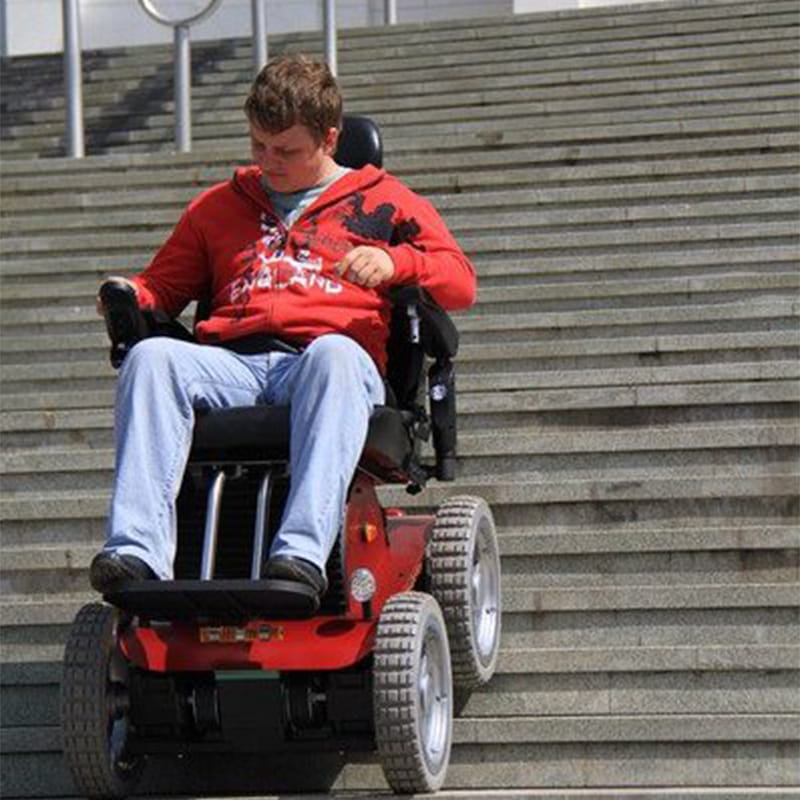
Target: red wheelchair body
{"type": "Point", "coordinates": [384, 550]}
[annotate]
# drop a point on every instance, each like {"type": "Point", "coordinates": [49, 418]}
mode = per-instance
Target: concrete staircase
{"type": "Point", "coordinates": [626, 182]}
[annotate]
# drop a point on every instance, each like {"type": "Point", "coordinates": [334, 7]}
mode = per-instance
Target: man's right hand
{"type": "Point", "coordinates": [99, 304]}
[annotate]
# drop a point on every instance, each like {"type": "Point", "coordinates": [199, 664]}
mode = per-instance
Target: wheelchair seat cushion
{"type": "Point", "coordinates": [261, 433]}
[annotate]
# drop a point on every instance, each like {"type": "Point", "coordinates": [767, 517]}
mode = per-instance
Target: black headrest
{"type": "Point", "coordinates": [359, 143]}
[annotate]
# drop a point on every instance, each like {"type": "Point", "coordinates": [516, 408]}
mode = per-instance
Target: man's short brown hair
{"type": "Point", "coordinates": [293, 89]}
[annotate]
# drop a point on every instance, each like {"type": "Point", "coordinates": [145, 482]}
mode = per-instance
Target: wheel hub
{"type": "Point", "coordinates": [484, 595]}
{"type": "Point", "coordinates": [434, 702]}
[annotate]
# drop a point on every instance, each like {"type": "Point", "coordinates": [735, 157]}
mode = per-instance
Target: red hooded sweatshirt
{"type": "Point", "coordinates": [231, 246]}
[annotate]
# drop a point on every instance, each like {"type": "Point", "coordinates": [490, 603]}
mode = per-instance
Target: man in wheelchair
{"type": "Point", "coordinates": [323, 621]}
{"type": "Point", "coordinates": [295, 259]}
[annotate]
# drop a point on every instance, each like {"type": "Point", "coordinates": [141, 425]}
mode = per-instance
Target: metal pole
{"type": "Point", "coordinates": [183, 82]}
{"type": "Point", "coordinates": [329, 24]}
{"type": "Point", "coordinates": [3, 29]}
{"type": "Point", "coordinates": [259, 17]}
{"type": "Point", "coordinates": [72, 77]}
{"type": "Point", "coordinates": [390, 11]}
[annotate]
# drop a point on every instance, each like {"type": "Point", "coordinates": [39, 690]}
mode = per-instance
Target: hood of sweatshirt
{"type": "Point", "coordinates": [248, 181]}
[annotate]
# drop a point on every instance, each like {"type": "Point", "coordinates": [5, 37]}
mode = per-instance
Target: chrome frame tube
{"type": "Point", "coordinates": [262, 512]}
{"type": "Point", "coordinates": [329, 26]}
{"type": "Point", "coordinates": [258, 14]}
{"type": "Point", "coordinates": [73, 79]}
{"type": "Point", "coordinates": [390, 12]}
{"type": "Point", "coordinates": [212, 526]}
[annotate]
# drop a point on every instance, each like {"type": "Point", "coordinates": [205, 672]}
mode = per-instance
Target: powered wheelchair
{"type": "Point", "coordinates": [219, 660]}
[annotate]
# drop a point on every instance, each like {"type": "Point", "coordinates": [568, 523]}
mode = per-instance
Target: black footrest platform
{"type": "Point", "coordinates": [216, 600]}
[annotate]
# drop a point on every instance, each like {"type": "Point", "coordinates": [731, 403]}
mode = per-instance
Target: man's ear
{"type": "Point", "coordinates": [330, 141]}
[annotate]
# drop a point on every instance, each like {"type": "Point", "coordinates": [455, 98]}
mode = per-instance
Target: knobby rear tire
{"type": "Point", "coordinates": [412, 693]}
{"type": "Point", "coordinates": [94, 711]}
{"type": "Point", "coordinates": [464, 571]}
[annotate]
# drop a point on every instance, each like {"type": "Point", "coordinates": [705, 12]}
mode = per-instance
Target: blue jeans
{"type": "Point", "coordinates": [331, 387]}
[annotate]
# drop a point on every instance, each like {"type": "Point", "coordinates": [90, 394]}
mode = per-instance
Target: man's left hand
{"type": "Point", "coordinates": [367, 266]}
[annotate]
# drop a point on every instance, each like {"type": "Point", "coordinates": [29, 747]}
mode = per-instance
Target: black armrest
{"type": "Point", "coordinates": [434, 331]}
{"type": "Point", "coordinates": [437, 333]}
{"type": "Point", "coordinates": [127, 324]}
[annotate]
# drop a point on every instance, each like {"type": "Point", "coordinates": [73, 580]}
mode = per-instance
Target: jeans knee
{"type": "Point", "coordinates": [334, 354]}
{"type": "Point", "coordinates": [156, 356]}
{"type": "Point", "coordinates": [337, 360]}
{"type": "Point", "coordinates": [334, 347]}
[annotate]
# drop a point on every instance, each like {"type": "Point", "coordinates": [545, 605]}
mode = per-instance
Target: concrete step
{"type": "Point", "coordinates": [767, 194]}
{"type": "Point", "coordinates": [646, 527]}
{"type": "Point", "coordinates": [736, 793]}
{"type": "Point", "coordinates": [537, 87]}
{"type": "Point", "coordinates": [641, 497]}
{"type": "Point", "coordinates": [42, 349]}
{"type": "Point", "coordinates": [20, 612]}
{"type": "Point", "coordinates": [109, 88]}
{"type": "Point", "coordinates": [714, 629]}
{"type": "Point", "coordinates": [510, 269]}
{"type": "Point", "coordinates": [542, 695]}
{"type": "Point", "coordinates": [634, 236]}
{"type": "Point", "coordinates": [426, 181]}
{"type": "Point", "coordinates": [624, 320]}
{"type": "Point", "coordinates": [398, 146]}
{"type": "Point", "coordinates": [681, 536]}
{"type": "Point", "coordinates": [663, 133]}
{"type": "Point", "coordinates": [499, 37]}
{"type": "Point", "coordinates": [698, 103]}
{"type": "Point", "coordinates": [745, 208]}
{"type": "Point", "coordinates": [641, 279]}
{"type": "Point", "coordinates": [774, 305]}
{"type": "Point", "coordinates": [91, 343]}
{"type": "Point", "coordinates": [514, 493]}
{"type": "Point", "coordinates": [543, 352]}
{"type": "Point", "coordinates": [685, 535]}
{"type": "Point", "coordinates": [610, 38]}
{"type": "Point", "coordinates": [706, 405]}
{"type": "Point", "coordinates": [708, 41]}
{"type": "Point", "coordinates": [397, 128]}
{"type": "Point", "coordinates": [686, 261]}
{"type": "Point", "coordinates": [676, 198]}
{"type": "Point", "coordinates": [469, 29]}
{"type": "Point", "coordinates": [37, 665]}
{"type": "Point", "coordinates": [542, 365]}
{"type": "Point", "coordinates": [527, 295]}
{"type": "Point", "coordinates": [722, 637]}
{"type": "Point", "coordinates": [640, 376]}
{"type": "Point", "coordinates": [555, 68]}
{"type": "Point", "coordinates": [687, 402]}
{"type": "Point", "coordinates": [60, 569]}
{"type": "Point", "coordinates": [92, 376]}
{"type": "Point", "coordinates": [496, 35]}
{"type": "Point", "coordinates": [532, 442]}
{"type": "Point", "coordinates": [537, 454]}
{"type": "Point", "coordinates": [601, 763]}
{"type": "Point", "coordinates": [546, 90]}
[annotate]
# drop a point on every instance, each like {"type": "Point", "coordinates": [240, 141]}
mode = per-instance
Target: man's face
{"type": "Point", "coordinates": [292, 159]}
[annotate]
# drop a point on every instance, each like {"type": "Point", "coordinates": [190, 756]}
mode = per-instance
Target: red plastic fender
{"type": "Point", "coordinates": [390, 545]}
